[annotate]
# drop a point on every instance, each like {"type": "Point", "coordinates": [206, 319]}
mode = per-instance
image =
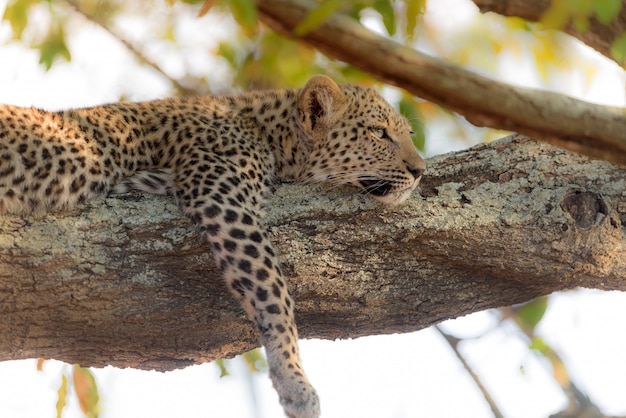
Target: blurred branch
{"type": "Point", "coordinates": [599, 36]}
{"type": "Point", "coordinates": [453, 342]}
{"type": "Point", "coordinates": [581, 127]}
{"type": "Point", "coordinates": [180, 89]}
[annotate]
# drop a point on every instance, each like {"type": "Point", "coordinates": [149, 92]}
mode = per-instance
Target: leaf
{"type": "Point", "coordinates": [316, 17]}
{"type": "Point", "coordinates": [16, 14]}
{"type": "Point", "coordinates": [556, 16]}
{"type": "Point", "coordinates": [529, 314]}
{"type": "Point", "coordinates": [607, 10]}
{"type": "Point", "coordinates": [52, 47]}
{"type": "Point", "coordinates": [86, 391]}
{"type": "Point", "coordinates": [254, 357]}
{"type": "Point", "coordinates": [227, 51]}
{"type": "Point", "coordinates": [414, 8]}
{"type": "Point", "coordinates": [244, 12]}
{"type": "Point", "coordinates": [409, 110]}
{"type": "Point", "coordinates": [223, 370]}
{"type": "Point", "coordinates": [62, 396]}
{"type": "Point", "coordinates": [618, 49]}
{"type": "Point", "coordinates": [386, 11]}
{"type": "Point", "coordinates": [538, 344]}
{"type": "Point", "coordinates": [274, 62]}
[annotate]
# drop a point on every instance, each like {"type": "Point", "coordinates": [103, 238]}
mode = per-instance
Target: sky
{"type": "Point", "coordinates": [384, 376]}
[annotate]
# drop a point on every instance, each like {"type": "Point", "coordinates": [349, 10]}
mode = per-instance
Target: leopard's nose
{"type": "Point", "coordinates": [416, 170]}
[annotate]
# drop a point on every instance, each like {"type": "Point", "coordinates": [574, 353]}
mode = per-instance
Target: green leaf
{"type": "Point", "coordinates": [227, 51]}
{"type": "Point", "coordinates": [16, 14]}
{"type": "Point", "coordinates": [244, 12]}
{"type": "Point", "coordinates": [409, 110]}
{"type": "Point", "coordinates": [386, 11]}
{"type": "Point", "coordinates": [223, 370]}
{"type": "Point", "coordinates": [414, 8]}
{"type": "Point", "coordinates": [607, 10]}
{"type": "Point", "coordinates": [52, 47]}
{"type": "Point", "coordinates": [86, 391]}
{"type": "Point", "coordinates": [538, 344]}
{"type": "Point", "coordinates": [618, 49]}
{"type": "Point", "coordinates": [581, 23]}
{"type": "Point", "coordinates": [556, 16]}
{"type": "Point", "coordinates": [529, 314]}
{"type": "Point", "coordinates": [316, 17]}
{"type": "Point", "coordinates": [62, 396]}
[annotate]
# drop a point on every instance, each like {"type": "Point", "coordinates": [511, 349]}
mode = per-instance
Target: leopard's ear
{"type": "Point", "coordinates": [320, 103]}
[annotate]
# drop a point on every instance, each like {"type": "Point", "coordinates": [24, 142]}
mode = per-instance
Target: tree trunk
{"type": "Point", "coordinates": [128, 281]}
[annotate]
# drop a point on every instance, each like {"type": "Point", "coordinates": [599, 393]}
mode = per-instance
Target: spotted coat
{"type": "Point", "coordinates": [219, 157]}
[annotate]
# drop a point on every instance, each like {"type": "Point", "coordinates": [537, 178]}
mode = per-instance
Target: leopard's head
{"type": "Point", "coordinates": [356, 137]}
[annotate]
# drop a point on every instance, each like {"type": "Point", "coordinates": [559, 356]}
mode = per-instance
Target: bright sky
{"type": "Point", "coordinates": [386, 376]}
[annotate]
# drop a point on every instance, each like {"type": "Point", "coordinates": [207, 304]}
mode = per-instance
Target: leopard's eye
{"type": "Point", "coordinates": [379, 133]}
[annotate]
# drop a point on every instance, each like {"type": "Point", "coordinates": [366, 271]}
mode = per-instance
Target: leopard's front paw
{"type": "Point", "coordinates": [300, 401]}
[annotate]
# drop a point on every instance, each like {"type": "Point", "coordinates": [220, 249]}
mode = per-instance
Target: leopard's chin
{"type": "Point", "coordinates": [395, 197]}
{"type": "Point", "coordinates": [384, 191]}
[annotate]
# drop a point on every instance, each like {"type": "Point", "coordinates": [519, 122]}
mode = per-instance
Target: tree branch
{"type": "Point", "coordinates": [180, 89]}
{"type": "Point", "coordinates": [496, 225]}
{"type": "Point", "coordinates": [582, 127]}
{"type": "Point", "coordinates": [453, 342]}
{"type": "Point", "coordinates": [599, 37]}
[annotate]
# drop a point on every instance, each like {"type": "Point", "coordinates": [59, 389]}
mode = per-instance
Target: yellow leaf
{"type": "Point", "coordinates": [62, 396]}
{"type": "Point", "coordinates": [86, 391]}
{"type": "Point", "coordinates": [560, 372]}
{"type": "Point", "coordinates": [254, 359]}
{"type": "Point", "coordinates": [515, 23]}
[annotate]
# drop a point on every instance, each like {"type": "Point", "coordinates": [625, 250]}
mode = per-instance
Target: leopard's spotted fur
{"type": "Point", "coordinates": [218, 156]}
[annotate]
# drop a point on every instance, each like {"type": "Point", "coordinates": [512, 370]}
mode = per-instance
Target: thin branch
{"type": "Point", "coordinates": [180, 89]}
{"type": "Point", "coordinates": [582, 127]}
{"type": "Point", "coordinates": [453, 342]}
{"type": "Point", "coordinates": [578, 401]}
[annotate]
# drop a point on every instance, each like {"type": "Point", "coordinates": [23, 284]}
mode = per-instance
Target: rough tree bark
{"type": "Point", "coordinates": [128, 281]}
{"type": "Point", "coordinates": [582, 127]}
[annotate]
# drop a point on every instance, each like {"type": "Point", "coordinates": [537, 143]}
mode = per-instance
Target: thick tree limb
{"type": "Point", "coordinates": [582, 127]}
{"type": "Point", "coordinates": [599, 37]}
{"type": "Point", "coordinates": [128, 281]}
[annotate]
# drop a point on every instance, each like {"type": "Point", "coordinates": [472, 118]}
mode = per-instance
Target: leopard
{"type": "Point", "coordinates": [219, 157]}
